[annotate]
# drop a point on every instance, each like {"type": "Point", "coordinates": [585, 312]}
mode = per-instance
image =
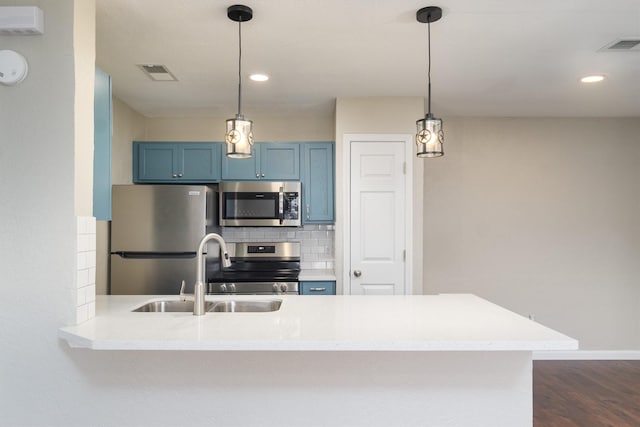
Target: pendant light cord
{"type": "Point", "coordinates": [429, 67]}
{"type": "Point", "coordinates": [240, 68]}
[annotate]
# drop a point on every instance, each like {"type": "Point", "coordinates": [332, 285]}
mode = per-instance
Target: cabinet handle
{"type": "Point", "coordinates": [317, 289]}
{"type": "Point", "coordinates": [357, 273]}
{"type": "Point", "coordinates": [179, 175]}
{"type": "Point", "coordinates": [262, 175]}
{"type": "Point", "coordinates": [175, 175]}
{"type": "Point", "coordinates": [308, 212]}
{"type": "Point", "coordinates": [257, 175]}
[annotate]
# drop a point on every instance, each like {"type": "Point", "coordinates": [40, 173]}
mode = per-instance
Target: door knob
{"type": "Point", "coordinates": [357, 273]}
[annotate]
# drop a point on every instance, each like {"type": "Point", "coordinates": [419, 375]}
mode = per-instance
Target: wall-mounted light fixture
{"type": "Point", "coordinates": [429, 136]}
{"type": "Point", "coordinates": [239, 136]}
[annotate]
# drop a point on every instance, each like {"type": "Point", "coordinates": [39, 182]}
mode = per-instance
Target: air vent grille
{"type": "Point", "coordinates": [155, 69]}
{"type": "Point", "coordinates": [158, 72]}
{"type": "Point", "coordinates": [625, 44]}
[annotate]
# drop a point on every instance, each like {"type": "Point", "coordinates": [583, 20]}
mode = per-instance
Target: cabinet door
{"type": "Point", "coordinates": [318, 183]}
{"type": "Point", "coordinates": [242, 169]}
{"type": "Point", "coordinates": [318, 288]}
{"type": "Point", "coordinates": [280, 161]}
{"type": "Point", "coordinates": [155, 161]}
{"type": "Point", "coordinates": [200, 162]}
{"type": "Point", "coordinates": [102, 147]}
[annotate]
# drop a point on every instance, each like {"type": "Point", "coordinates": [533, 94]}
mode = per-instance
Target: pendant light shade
{"type": "Point", "coordinates": [429, 134]}
{"type": "Point", "coordinates": [429, 137]}
{"type": "Point", "coordinates": [239, 135]}
{"type": "Point", "coordinates": [239, 138]}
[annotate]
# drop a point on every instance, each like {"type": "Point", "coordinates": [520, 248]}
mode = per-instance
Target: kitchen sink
{"type": "Point", "coordinates": [169, 306]}
{"type": "Point", "coordinates": [244, 306]}
{"type": "Point", "coordinates": [229, 306]}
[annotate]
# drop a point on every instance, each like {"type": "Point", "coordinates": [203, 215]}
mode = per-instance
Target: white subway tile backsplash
{"type": "Point", "coordinates": [82, 313]}
{"type": "Point", "coordinates": [91, 224]}
{"type": "Point", "coordinates": [90, 293]}
{"type": "Point", "coordinates": [91, 258]}
{"type": "Point", "coordinates": [81, 296]}
{"type": "Point", "coordinates": [91, 309]}
{"type": "Point", "coordinates": [85, 268]}
{"type": "Point", "coordinates": [319, 234]}
{"type": "Point", "coordinates": [303, 234]}
{"type": "Point", "coordinates": [82, 278]}
{"type": "Point", "coordinates": [316, 241]}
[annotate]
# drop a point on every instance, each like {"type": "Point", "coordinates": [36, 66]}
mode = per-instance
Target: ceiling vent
{"type": "Point", "coordinates": [158, 73]}
{"type": "Point", "coordinates": [621, 45]}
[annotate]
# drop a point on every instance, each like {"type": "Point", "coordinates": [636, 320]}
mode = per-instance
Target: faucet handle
{"type": "Point", "coordinates": [182, 295]}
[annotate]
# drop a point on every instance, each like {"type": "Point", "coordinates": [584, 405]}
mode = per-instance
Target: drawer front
{"type": "Point", "coordinates": [318, 288]}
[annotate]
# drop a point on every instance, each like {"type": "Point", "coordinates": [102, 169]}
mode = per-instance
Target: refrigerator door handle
{"type": "Point", "coordinates": [155, 255]}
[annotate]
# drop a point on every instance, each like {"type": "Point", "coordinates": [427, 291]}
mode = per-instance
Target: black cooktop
{"type": "Point", "coordinates": [248, 271]}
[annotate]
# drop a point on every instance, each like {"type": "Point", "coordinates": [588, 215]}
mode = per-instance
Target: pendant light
{"type": "Point", "coordinates": [429, 136]}
{"type": "Point", "coordinates": [239, 136]}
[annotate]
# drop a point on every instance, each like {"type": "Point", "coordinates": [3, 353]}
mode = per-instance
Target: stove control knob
{"type": "Point", "coordinates": [233, 287]}
{"type": "Point", "coordinates": [275, 288]}
{"type": "Point", "coordinates": [283, 288]}
{"type": "Point", "coordinates": [223, 287]}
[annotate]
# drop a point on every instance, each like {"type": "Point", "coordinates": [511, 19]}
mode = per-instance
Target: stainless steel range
{"type": "Point", "coordinates": [258, 269]}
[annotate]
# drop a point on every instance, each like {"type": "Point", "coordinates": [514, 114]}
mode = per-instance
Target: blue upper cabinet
{"type": "Point", "coordinates": [270, 161]}
{"type": "Point", "coordinates": [187, 162]}
{"type": "Point", "coordinates": [199, 162]}
{"type": "Point", "coordinates": [102, 147]}
{"type": "Point", "coordinates": [242, 169]}
{"type": "Point", "coordinates": [280, 161]}
{"type": "Point", "coordinates": [318, 183]}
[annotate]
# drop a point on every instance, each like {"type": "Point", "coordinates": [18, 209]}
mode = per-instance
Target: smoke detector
{"type": "Point", "coordinates": [13, 68]}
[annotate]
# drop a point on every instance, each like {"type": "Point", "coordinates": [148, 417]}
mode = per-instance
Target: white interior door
{"type": "Point", "coordinates": [377, 218]}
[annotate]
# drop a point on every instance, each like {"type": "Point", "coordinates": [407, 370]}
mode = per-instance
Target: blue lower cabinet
{"type": "Point", "coordinates": [318, 288]}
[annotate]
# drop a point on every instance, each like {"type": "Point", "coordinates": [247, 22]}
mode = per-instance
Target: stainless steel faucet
{"type": "Point", "coordinates": [198, 291]}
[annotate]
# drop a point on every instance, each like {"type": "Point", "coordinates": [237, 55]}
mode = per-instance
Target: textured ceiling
{"type": "Point", "coordinates": [489, 58]}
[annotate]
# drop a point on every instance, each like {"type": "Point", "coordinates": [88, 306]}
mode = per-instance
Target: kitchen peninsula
{"type": "Point", "coordinates": [441, 360]}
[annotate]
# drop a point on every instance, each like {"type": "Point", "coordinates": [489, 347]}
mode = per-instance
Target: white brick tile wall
{"type": "Point", "coordinates": [86, 268]}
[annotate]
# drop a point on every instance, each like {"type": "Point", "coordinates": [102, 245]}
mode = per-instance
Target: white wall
{"type": "Point", "coordinates": [128, 125]}
{"type": "Point", "coordinates": [541, 216]}
{"type": "Point", "coordinates": [38, 223]}
{"type": "Point", "coordinates": [265, 128]}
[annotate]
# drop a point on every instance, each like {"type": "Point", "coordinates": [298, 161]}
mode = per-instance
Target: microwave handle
{"type": "Point", "coordinates": [281, 205]}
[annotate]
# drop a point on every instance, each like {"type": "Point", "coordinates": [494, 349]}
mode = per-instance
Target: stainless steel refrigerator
{"type": "Point", "coordinates": [155, 231]}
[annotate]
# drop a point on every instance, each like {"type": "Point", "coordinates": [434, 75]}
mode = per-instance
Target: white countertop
{"type": "Point", "coordinates": [446, 322]}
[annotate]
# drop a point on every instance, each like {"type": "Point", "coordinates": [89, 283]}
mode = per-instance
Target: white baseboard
{"type": "Point", "coordinates": [587, 355]}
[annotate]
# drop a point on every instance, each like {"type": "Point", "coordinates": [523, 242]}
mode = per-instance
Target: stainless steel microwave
{"type": "Point", "coordinates": [260, 204]}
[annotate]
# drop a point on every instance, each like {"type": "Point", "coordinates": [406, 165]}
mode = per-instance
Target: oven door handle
{"type": "Point", "coordinates": [281, 205]}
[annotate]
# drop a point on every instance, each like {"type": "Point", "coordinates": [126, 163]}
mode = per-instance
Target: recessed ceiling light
{"type": "Point", "coordinates": [595, 78]}
{"type": "Point", "coordinates": [259, 77]}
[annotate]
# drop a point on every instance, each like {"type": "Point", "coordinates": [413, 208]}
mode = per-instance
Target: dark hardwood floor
{"type": "Point", "coordinates": [586, 393]}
